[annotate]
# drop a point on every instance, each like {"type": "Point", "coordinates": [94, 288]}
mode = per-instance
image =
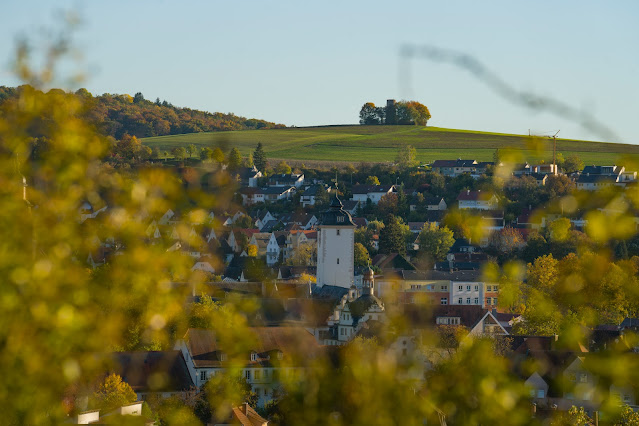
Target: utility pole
{"type": "Point", "coordinates": [554, 152]}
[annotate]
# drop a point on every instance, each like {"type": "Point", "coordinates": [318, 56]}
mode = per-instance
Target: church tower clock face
{"type": "Point", "coordinates": [335, 251]}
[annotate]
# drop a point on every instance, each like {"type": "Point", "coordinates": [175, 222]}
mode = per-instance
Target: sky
{"type": "Point", "coordinates": [306, 64]}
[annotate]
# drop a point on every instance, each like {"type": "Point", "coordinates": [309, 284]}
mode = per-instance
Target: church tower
{"type": "Point", "coordinates": [335, 247]}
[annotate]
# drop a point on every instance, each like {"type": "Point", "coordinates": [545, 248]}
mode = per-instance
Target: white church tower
{"type": "Point", "coordinates": [335, 247]}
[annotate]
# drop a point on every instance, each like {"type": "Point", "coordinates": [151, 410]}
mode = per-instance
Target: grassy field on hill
{"type": "Point", "coordinates": [381, 143]}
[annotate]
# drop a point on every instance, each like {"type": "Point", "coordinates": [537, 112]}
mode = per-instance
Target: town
{"type": "Point", "coordinates": [328, 263]}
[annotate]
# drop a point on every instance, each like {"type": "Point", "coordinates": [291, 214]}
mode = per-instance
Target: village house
{"type": "Point", "coordinates": [454, 168]}
{"type": "Point", "coordinates": [309, 195]}
{"type": "Point", "coordinates": [278, 352]}
{"type": "Point", "coordinates": [374, 193]}
{"type": "Point", "coordinates": [477, 200]}
{"type": "Point", "coordinates": [249, 176]}
{"type": "Point", "coordinates": [293, 179]}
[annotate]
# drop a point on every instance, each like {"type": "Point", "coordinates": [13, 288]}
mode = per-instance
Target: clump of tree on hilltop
{"type": "Point", "coordinates": [118, 115]}
{"type": "Point", "coordinates": [403, 112]}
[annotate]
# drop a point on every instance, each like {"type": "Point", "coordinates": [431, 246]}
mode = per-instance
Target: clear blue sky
{"type": "Point", "coordinates": [303, 64]}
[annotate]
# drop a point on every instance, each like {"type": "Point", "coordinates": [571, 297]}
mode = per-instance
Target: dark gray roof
{"type": "Point", "coordinates": [596, 178]}
{"type": "Point", "coordinates": [276, 189]}
{"type": "Point", "coordinates": [433, 201]}
{"type": "Point", "coordinates": [454, 163]}
{"type": "Point", "coordinates": [465, 276]}
{"type": "Point", "coordinates": [601, 170]}
{"type": "Point", "coordinates": [366, 189]}
{"type": "Point", "coordinates": [336, 215]}
{"type": "Point", "coordinates": [138, 369]}
{"type": "Point", "coordinates": [328, 292]}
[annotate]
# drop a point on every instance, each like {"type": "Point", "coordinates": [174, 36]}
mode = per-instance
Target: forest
{"type": "Point", "coordinates": [116, 115]}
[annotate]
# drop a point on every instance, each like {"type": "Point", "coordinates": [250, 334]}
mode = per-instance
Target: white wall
{"type": "Point", "coordinates": [332, 247]}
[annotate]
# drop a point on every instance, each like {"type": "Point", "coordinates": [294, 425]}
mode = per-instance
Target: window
{"type": "Point", "coordinates": [626, 398]}
{"type": "Point", "coordinates": [340, 219]}
{"type": "Point", "coordinates": [461, 301]}
{"type": "Point", "coordinates": [468, 300]}
{"type": "Point", "coordinates": [338, 260]}
{"type": "Point", "coordinates": [476, 288]}
{"type": "Point", "coordinates": [444, 300]}
{"type": "Point", "coordinates": [258, 374]}
{"type": "Point", "coordinates": [467, 288]}
{"type": "Point", "coordinates": [495, 288]}
{"type": "Point", "coordinates": [461, 287]}
{"type": "Point", "coordinates": [280, 355]}
{"type": "Point", "coordinates": [247, 374]}
{"type": "Point", "coordinates": [444, 287]}
{"type": "Point", "coordinates": [253, 356]}
{"type": "Point", "coordinates": [202, 376]}
{"type": "Point", "coordinates": [541, 393]}
{"type": "Point", "coordinates": [222, 357]}
{"type": "Point", "coordinates": [583, 377]}
{"type": "Point", "coordinates": [476, 300]}
{"type": "Point", "coordinates": [338, 232]}
{"type": "Point", "coordinates": [495, 301]}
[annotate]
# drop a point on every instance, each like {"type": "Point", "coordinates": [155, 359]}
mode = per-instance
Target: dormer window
{"type": "Point", "coordinates": [222, 356]}
{"type": "Point", "coordinates": [340, 219]}
{"type": "Point", "coordinates": [253, 356]}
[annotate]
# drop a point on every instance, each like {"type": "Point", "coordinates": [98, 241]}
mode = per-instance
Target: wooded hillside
{"type": "Point", "coordinates": [116, 115]}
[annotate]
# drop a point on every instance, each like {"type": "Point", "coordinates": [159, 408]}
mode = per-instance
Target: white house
{"type": "Point", "coordinates": [477, 200]}
{"type": "Point", "coordinates": [454, 168]}
{"type": "Point", "coordinates": [362, 193]}
{"type": "Point", "coordinates": [292, 179]}
{"type": "Point", "coordinates": [272, 250]}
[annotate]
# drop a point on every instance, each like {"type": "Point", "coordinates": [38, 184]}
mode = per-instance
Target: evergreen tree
{"type": "Point", "coordinates": [259, 158]}
{"type": "Point", "coordinates": [391, 239]}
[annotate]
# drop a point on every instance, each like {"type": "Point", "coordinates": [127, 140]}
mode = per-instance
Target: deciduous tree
{"type": "Point", "coordinates": [372, 180]}
{"type": "Point", "coordinates": [370, 114]}
{"type": "Point", "coordinates": [283, 168]}
{"type": "Point", "coordinates": [362, 258]}
{"type": "Point", "coordinates": [113, 393]}
{"type": "Point", "coordinates": [235, 159]}
{"type": "Point", "coordinates": [407, 157]}
{"type": "Point", "coordinates": [435, 241]}
{"type": "Point", "coordinates": [179, 152]}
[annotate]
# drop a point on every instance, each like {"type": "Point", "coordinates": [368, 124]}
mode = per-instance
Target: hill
{"type": "Point", "coordinates": [380, 144]}
{"type": "Point", "coordinates": [117, 115]}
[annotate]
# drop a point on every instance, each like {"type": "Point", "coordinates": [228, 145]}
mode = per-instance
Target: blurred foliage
{"type": "Point", "coordinates": [61, 319]}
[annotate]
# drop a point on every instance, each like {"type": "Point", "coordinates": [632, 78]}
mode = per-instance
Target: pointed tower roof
{"type": "Point", "coordinates": [336, 215]}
